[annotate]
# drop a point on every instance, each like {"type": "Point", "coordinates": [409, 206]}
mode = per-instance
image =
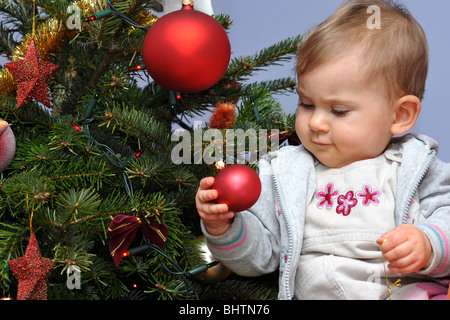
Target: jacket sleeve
{"type": "Point", "coordinates": [434, 193]}
{"type": "Point", "coordinates": [251, 246]}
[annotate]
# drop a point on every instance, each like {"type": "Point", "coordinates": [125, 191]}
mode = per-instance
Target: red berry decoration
{"type": "Point", "coordinates": [238, 186]}
{"type": "Point", "coordinates": [186, 51]}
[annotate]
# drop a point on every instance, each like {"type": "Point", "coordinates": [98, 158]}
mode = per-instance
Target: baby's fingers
{"type": "Point", "coordinates": [206, 183]}
{"type": "Point", "coordinates": [204, 193]}
{"type": "Point", "coordinates": [398, 253]}
{"type": "Point", "coordinates": [392, 239]}
{"type": "Point", "coordinates": [218, 219]}
{"type": "Point", "coordinates": [208, 210]}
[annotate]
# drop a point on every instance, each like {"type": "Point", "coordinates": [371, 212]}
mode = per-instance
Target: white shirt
{"type": "Point", "coordinates": [352, 208]}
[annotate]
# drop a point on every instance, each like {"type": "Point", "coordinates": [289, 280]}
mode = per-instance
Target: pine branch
{"type": "Point", "coordinates": [17, 14]}
{"type": "Point", "coordinates": [57, 8]}
{"type": "Point", "coordinates": [102, 68]}
{"type": "Point", "coordinates": [241, 68]}
{"type": "Point", "coordinates": [242, 289]}
{"type": "Point", "coordinates": [277, 86]}
{"type": "Point", "coordinates": [10, 237]}
{"type": "Point", "coordinates": [224, 19]}
{"type": "Point", "coordinates": [7, 38]}
{"type": "Point", "coordinates": [131, 120]}
{"type": "Point", "coordinates": [267, 106]}
{"type": "Point", "coordinates": [29, 113]}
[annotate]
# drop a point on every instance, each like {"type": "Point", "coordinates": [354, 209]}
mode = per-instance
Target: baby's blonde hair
{"type": "Point", "coordinates": [396, 53]}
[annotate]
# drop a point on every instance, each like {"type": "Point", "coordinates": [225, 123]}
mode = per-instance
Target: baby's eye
{"type": "Point", "coordinates": [340, 113]}
{"type": "Point", "coordinates": [306, 106]}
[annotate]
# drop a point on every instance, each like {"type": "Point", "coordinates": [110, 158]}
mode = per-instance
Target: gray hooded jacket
{"type": "Point", "coordinates": [269, 236]}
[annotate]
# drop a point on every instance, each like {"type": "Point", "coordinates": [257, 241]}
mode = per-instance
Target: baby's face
{"type": "Point", "coordinates": [341, 117]}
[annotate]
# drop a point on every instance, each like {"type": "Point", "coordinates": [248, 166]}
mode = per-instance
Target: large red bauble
{"type": "Point", "coordinates": [238, 186]}
{"type": "Point", "coordinates": [186, 51]}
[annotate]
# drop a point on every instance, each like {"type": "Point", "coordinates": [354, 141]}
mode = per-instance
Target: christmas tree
{"type": "Point", "coordinates": [94, 136]}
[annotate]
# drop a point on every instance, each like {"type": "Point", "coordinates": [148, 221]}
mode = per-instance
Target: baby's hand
{"type": "Point", "coordinates": [216, 217]}
{"type": "Point", "coordinates": [407, 249]}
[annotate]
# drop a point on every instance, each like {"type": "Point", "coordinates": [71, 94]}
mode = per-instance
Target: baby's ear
{"type": "Point", "coordinates": [406, 113]}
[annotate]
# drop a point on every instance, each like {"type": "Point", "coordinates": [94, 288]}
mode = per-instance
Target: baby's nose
{"type": "Point", "coordinates": [319, 122]}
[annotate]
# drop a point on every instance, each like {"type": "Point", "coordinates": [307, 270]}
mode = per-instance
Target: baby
{"type": "Point", "coordinates": [355, 194]}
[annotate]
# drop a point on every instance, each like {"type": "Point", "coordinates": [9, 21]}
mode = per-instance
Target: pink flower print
{"type": "Point", "coordinates": [345, 204]}
{"type": "Point", "coordinates": [326, 196]}
{"type": "Point", "coordinates": [369, 196]}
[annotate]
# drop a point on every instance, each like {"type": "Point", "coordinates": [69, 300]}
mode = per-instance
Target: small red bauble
{"type": "Point", "coordinates": [238, 186]}
{"type": "Point", "coordinates": [186, 51]}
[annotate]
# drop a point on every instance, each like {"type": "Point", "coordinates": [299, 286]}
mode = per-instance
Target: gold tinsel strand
{"type": "Point", "coordinates": [89, 7]}
{"type": "Point", "coordinates": [145, 18]}
{"type": "Point", "coordinates": [7, 82]}
{"type": "Point", "coordinates": [51, 35]}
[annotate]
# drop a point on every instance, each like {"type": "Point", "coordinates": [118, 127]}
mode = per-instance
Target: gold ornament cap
{"type": "Point", "coordinates": [188, 2]}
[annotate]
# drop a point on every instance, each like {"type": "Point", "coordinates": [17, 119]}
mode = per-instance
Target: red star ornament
{"type": "Point", "coordinates": [32, 75]}
{"type": "Point", "coordinates": [32, 272]}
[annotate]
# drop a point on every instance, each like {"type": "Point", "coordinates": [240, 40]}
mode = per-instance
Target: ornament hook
{"type": "Point", "coordinates": [33, 30]}
{"type": "Point", "coordinates": [188, 2]}
{"type": "Point", "coordinates": [396, 284]}
{"type": "Point", "coordinates": [220, 165]}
